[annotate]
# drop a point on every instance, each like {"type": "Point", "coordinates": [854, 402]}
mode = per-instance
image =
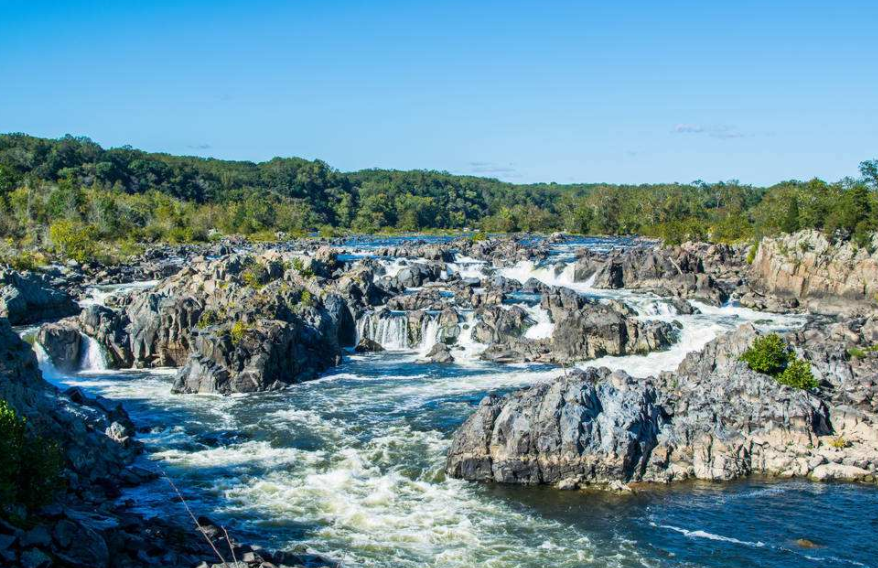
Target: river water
{"type": "Point", "coordinates": [352, 466]}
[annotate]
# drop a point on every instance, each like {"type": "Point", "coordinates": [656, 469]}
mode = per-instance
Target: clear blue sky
{"type": "Point", "coordinates": [558, 91]}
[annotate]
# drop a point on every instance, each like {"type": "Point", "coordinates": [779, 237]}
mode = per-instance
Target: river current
{"type": "Point", "coordinates": [351, 465]}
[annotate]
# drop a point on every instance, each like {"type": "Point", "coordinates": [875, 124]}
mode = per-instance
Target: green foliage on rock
{"type": "Point", "coordinates": [30, 466]}
{"type": "Point", "coordinates": [770, 355]}
{"type": "Point", "coordinates": [798, 375]}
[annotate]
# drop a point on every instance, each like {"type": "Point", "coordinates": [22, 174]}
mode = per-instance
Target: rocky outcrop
{"type": "Point", "coordinates": [439, 353]}
{"type": "Point", "coordinates": [708, 273]}
{"type": "Point", "coordinates": [713, 418]}
{"type": "Point", "coordinates": [62, 343]}
{"type": "Point", "coordinates": [825, 277]}
{"type": "Point", "coordinates": [583, 329]}
{"type": "Point", "coordinates": [588, 330]}
{"type": "Point", "coordinates": [28, 298]}
{"type": "Point", "coordinates": [109, 327]}
{"type": "Point", "coordinates": [267, 355]}
{"type": "Point", "coordinates": [498, 324]}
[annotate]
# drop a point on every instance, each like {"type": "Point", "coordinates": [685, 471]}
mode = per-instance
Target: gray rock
{"type": "Point", "coordinates": [440, 353]}
{"type": "Point", "coordinates": [28, 298]}
{"type": "Point", "coordinates": [713, 419]}
{"type": "Point", "coordinates": [62, 343]}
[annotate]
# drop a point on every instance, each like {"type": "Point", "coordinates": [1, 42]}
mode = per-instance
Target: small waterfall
{"type": "Point", "coordinates": [429, 334]}
{"type": "Point", "coordinates": [543, 328]}
{"type": "Point", "coordinates": [469, 348]}
{"type": "Point", "coordinates": [390, 331]}
{"type": "Point", "coordinates": [48, 370]}
{"type": "Point", "coordinates": [93, 358]}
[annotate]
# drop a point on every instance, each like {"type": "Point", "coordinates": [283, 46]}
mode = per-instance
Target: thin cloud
{"type": "Point", "coordinates": [199, 146]}
{"type": "Point", "coordinates": [491, 168]}
{"type": "Point", "coordinates": [719, 132]}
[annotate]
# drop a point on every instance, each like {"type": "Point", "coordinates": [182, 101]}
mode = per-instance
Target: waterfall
{"type": "Point", "coordinates": [470, 349]}
{"type": "Point", "coordinates": [429, 334]}
{"type": "Point", "coordinates": [92, 358]}
{"type": "Point", "coordinates": [48, 370]}
{"type": "Point", "coordinates": [390, 331]}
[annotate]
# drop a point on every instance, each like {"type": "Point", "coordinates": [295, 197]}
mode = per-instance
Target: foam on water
{"type": "Point", "coordinates": [99, 294]}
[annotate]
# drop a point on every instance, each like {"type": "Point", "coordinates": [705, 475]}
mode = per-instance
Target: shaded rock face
{"type": "Point", "coordinates": [583, 329]}
{"type": "Point", "coordinates": [236, 324]}
{"type": "Point", "coordinates": [28, 298]}
{"type": "Point", "coordinates": [160, 328]}
{"type": "Point", "coordinates": [827, 278]}
{"type": "Point", "coordinates": [81, 425]}
{"type": "Point", "coordinates": [712, 419]}
{"type": "Point", "coordinates": [109, 328]}
{"type": "Point", "coordinates": [63, 345]}
{"type": "Point", "coordinates": [498, 324]}
{"type": "Point", "coordinates": [268, 356]}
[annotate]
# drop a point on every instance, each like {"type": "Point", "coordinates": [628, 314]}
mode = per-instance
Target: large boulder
{"type": "Point", "coordinates": [260, 356]}
{"type": "Point", "coordinates": [28, 298]}
{"type": "Point", "coordinates": [62, 343]}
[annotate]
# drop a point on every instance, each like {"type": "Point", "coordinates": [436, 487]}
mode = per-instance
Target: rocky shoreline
{"type": "Point", "coordinates": [241, 318]}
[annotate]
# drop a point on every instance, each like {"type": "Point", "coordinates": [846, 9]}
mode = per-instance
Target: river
{"type": "Point", "coordinates": [352, 466]}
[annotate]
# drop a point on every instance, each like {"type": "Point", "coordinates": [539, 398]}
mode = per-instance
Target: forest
{"type": "Point", "coordinates": [65, 195]}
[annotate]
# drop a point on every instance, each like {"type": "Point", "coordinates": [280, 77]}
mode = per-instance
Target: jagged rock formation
{"type": "Point", "coordinates": [713, 418]}
{"type": "Point", "coordinates": [583, 329]}
{"type": "Point", "coordinates": [708, 273]}
{"type": "Point", "coordinates": [826, 277]}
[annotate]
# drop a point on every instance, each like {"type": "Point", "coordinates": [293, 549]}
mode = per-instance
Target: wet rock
{"type": "Point", "coordinates": [440, 353]}
{"type": "Point", "coordinates": [367, 345]}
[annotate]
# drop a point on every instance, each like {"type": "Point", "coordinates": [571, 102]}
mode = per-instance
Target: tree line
{"type": "Point", "coordinates": [129, 195]}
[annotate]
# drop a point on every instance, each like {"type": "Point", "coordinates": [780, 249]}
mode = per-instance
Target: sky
{"type": "Point", "coordinates": [549, 91]}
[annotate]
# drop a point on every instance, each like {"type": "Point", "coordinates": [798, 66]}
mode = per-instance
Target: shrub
{"type": "Point", "coordinates": [768, 355]}
{"type": "Point", "coordinates": [861, 352]}
{"type": "Point", "coordinates": [298, 265]}
{"type": "Point", "coordinates": [255, 275]}
{"type": "Point", "coordinates": [839, 443]}
{"type": "Point", "coordinates": [798, 375]}
{"type": "Point", "coordinates": [73, 240]}
{"type": "Point", "coordinates": [751, 255]}
{"type": "Point", "coordinates": [306, 298]}
{"type": "Point", "coordinates": [30, 468]}
{"type": "Point", "coordinates": [238, 331]}
{"type": "Point", "coordinates": [207, 319]}
{"type": "Point", "coordinates": [26, 260]}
